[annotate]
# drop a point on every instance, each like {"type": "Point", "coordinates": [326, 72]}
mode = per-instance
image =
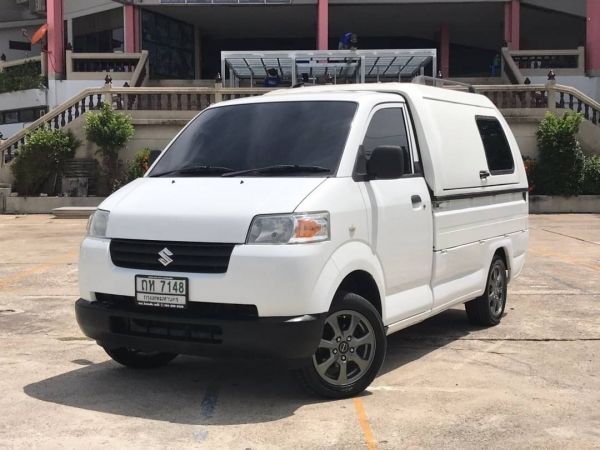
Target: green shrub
{"type": "Point", "coordinates": [110, 131]}
{"type": "Point", "coordinates": [24, 76]}
{"type": "Point", "coordinates": [591, 175]}
{"type": "Point", "coordinates": [559, 169]}
{"type": "Point", "coordinates": [139, 166]}
{"type": "Point", "coordinates": [40, 161]}
{"type": "Point", "coordinates": [530, 165]}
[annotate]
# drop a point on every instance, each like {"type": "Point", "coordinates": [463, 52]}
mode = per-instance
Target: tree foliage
{"type": "Point", "coordinates": [559, 169]}
{"type": "Point", "coordinates": [591, 175]}
{"type": "Point", "coordinates": [41, 159]}
{"type": "Point", "coordinates": [110, 131]}
{"type": "Point", "coordinates": [22, 77]}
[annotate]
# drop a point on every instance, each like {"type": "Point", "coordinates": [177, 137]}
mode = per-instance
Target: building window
{"type": "Point", "coordinates": [497, 151]}
{"type": "Point", "coordinates": [21, 115]}
{"type": "Point", "coordinates": [170, 45]}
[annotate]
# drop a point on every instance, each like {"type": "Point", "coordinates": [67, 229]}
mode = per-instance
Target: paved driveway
{"type": "Point", "coordinates": [533, 381]}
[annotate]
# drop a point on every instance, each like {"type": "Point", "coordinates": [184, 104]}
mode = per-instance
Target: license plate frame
{"type": "Point", "coordinates": [147, 295]}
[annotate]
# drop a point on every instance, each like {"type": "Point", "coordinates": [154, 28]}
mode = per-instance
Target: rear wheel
{"type": "Point", "coordinates": [137, 359]}
{"type": "Point", "coordinates": [351, 350]}
{"type": "Point", "coordinates": [487, 310]}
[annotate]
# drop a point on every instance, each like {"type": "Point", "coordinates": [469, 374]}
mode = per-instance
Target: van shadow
{"type": "Point", "coordinates": [215, 392]}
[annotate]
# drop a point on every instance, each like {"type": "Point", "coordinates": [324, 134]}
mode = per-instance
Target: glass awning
{"type": "Point", "coordinates": [251, 68]}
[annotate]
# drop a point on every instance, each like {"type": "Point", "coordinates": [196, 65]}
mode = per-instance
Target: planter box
{"type": "Point", "coordinates": [45, 205]}
{"type": "Point", "coordinates": [551, 204]}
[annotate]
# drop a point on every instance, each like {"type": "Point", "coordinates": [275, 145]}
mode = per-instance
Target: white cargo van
{"type": "Point", "coordinates": [308, 224]}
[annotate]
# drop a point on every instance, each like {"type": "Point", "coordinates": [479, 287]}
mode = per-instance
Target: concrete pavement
{"type": "Point", "coordinates": [531, 382]}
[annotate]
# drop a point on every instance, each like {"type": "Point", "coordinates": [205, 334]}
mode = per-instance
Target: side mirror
{"type": "Point", "coordinates": [385, 163]}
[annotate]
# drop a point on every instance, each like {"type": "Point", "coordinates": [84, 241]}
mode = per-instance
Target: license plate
{"type": "Point", "coordinates": [165, 292]}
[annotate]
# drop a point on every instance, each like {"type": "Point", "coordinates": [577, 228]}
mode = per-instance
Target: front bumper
{"type": "Point", "coordinates": [268, 337]}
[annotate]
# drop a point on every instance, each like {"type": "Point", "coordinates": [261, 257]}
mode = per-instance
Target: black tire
{"type": "Point", "coordinates": [488, 309]}
{"type": "Point", "coordinates": [359, 353]}
{"type": "Point", "coordinates": [136, 359]}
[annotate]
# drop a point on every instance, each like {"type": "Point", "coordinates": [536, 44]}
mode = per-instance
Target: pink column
{"type": "Point", "coordinates": [507, 24]}
{"type": "Point", "coordinates": [512, 24]}
{"type": "Point", "coordinates": [445, 50]}
{"type": "Point", "coordinates": [592, 45]}
{"type": "Point", "coordinates": [323, 25]}
{"type": "Point", "coordinates": [132, 25]}
{"type": "Point", "coordinates": [56, 39]}
{"type": "Point", "coordinates": [515, 24]}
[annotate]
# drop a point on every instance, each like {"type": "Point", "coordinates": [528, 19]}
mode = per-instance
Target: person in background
{"type": "Point", "coordinates": [272, 79]}
{"type": "Point", "coordinates": [495, 66]}
{"type": "Point", "coordinates": [348, 41]}
{"type": "Point", "coordinates": [3, 57]}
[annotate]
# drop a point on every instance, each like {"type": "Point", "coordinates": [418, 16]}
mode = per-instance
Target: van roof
{"type": "Point", "coordinates": [410, 90]}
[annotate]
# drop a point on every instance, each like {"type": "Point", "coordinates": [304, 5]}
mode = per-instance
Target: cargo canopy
{"type": "Point", "coordinates": [313, 67]}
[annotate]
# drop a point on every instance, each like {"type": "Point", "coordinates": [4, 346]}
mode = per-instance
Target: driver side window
{"type": "Point", "coordinates": [388, 127]}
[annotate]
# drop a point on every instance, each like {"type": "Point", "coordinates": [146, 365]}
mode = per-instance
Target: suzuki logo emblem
{"type": "Point", "coordinates": [165, 259]}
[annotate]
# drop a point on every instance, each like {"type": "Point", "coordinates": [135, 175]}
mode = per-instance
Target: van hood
{"type": "Point", "coordinates": [200, 209]}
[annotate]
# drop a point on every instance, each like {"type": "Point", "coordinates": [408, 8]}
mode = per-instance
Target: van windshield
{"type": "Point", "coordinates": [298, 138]}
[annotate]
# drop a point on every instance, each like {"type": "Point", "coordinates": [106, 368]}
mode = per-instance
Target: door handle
{"type": "Point", "coordinates": [483, 174]}
{"type": "Point", "coordinates": [415, 200]}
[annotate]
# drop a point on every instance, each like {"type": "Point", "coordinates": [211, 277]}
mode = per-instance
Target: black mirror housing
{"type": "Point", "coordinates": [385, 163]}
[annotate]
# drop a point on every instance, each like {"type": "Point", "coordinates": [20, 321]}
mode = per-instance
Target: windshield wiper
{"type": "Point", "coordinates": [281, 168]}
{"type": "Point", "coordinates": [194, 170]}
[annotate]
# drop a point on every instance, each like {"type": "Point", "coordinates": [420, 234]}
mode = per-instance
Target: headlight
{"type": "Point", "coordinates": [289, 228]}
{"type": "Point", "coordinates": [97, 224]}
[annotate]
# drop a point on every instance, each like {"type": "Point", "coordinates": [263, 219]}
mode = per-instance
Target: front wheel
{"type": "Point", "coordinates": [351, 350]}
{"type": "Point", "coordinates": [487, 310]}
{"type": "Point", "coordinates": [137, 359]}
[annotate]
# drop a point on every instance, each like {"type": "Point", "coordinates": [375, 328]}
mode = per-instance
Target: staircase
{"type": "Point", "coordinates": [517, 99]}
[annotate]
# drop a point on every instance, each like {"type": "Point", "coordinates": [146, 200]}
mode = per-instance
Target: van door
{"type": "Point", "coordinates": [400, 218]}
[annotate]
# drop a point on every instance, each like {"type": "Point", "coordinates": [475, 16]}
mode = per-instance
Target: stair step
{"type": "Point", "coordinates": [73, 212]}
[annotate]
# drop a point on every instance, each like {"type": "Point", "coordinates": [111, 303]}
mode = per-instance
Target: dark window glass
{"type": "Point", "coordinates": [497, 151]}
{"type": "Point", "coordinates": [27, 115]}
{"type": "Point", "coordinates": [11, 117]}
{"type": "Point", "coordinates": [387, 127]}
{"type": "Point", "coordinates": [258, 135]}
{"type": "Point", "coordinates": [19, 45]}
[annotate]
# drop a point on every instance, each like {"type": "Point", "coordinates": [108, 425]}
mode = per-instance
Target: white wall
{"type": "Point", "coordinates": [22, 99]}
{"type": "Point", "coordinates": [12, 32]}
{"type": "Point", "coordinates": [78, 8]}
{"type": "Point", "coordinates": [18, 100]}
{"type": "Point", "coordinates": [12, 128]}
{"type": "Point", "coordinates": [61, 91]}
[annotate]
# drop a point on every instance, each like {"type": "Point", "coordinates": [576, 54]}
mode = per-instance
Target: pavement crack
{"type": "Point", "coordinates": [569, 236]}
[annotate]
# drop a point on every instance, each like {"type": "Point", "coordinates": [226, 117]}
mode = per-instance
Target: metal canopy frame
{"type": "Point", "coordinates": [327, 66]}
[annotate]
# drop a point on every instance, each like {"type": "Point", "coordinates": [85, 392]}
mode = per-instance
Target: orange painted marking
{"type": "Point", "coordinates": [364, 424]}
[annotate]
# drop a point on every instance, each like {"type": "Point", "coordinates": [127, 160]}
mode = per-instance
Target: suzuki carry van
{"type": "Point", "coordinates": [307, 224]}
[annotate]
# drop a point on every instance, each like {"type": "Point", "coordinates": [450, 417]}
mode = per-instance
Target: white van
{"type": "Point", "coordinates": [308, 224]}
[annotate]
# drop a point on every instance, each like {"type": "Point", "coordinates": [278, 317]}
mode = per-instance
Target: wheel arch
{"type": "Point", "coordinates": [362, 283]}
{"type": "Point", "coordinates": [355, 267]}
{"type": "Point", "coordinates": [503, 249]}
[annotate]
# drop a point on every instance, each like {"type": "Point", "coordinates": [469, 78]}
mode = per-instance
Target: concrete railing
{"type": "Point", "coordinates": [519, 64]}
{"type": "Point", "coordinates": [126, 99]}
{"type": "Point", "coordinates": [539, 62]}
{"type": "Point", "coordinates": [95, 66]}
{"type": "Point", "coordinates": [549, 96]}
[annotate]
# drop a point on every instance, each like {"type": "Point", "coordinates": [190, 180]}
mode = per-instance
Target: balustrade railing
{"type": "Point", "coordinates": [550, 96]}
{"type": "Point", "coordinates": [126, 99]}
{"type": "Point", "coordinates": [120, 66]}
{"type": "Point", "coordinates": [509, 96]}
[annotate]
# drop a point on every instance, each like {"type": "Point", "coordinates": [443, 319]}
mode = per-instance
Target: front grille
{"type": "Point", "coordinates": [207, 334]}
{"type": "Point", "coordinates": [191, 257]}
{"type": "Point", "coordinates": [194, 310]}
